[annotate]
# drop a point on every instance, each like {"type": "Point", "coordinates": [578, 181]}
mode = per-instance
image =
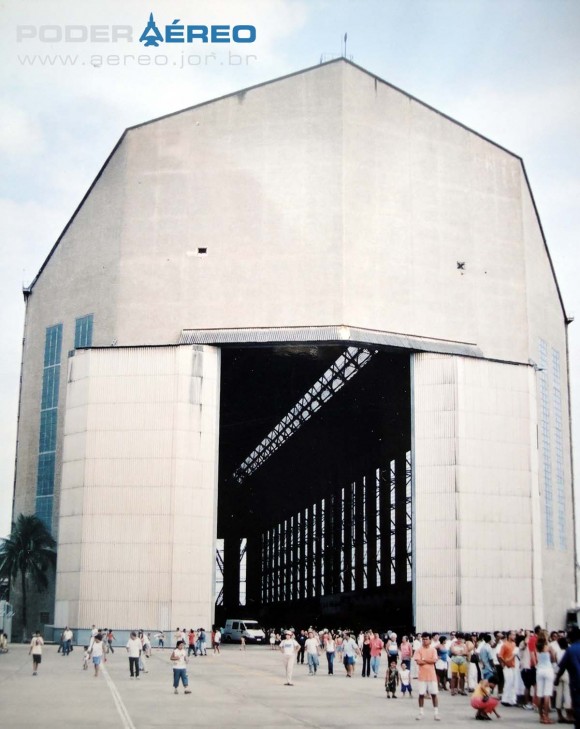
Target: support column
{"type": "Point", "coordinates": [231, 572]}
{"type": "Point", "coordinates": [253, 570]}
{"type": "Point", "coordinates": [401, 518]}
{"type": "Point", "coordinates": [371, 528]}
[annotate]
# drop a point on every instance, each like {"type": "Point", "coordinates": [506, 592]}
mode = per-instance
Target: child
{"type": "Point", "coordinates": [405, 675]}
{"type": "Point", "coordinates": [483, 701]}
{"type": "Point", "coordinates": [391, 680]}
{"type": "Point", "coordinates": [86, 656]}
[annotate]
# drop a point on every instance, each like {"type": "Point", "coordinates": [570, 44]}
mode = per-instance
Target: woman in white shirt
{"type": "Point", "coordinates": [289, 647]}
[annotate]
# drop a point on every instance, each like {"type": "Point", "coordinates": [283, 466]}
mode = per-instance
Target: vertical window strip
{"type": "Point", "coordinates": [314, 553]}
{"type": "Point", "coordinates": [306, 553]}
{"type": "Point", "coordinates": [46, 463]}
{"type": "Point", "coordinates": [84, 331]}
{"type": "Point", "coordinates": [393, 523]}
{"type": "Point", "coordinates": [409, 514]}
{"type": "Point", "coordinates": [365, 554]}
{"type": "Point", "coordinates": [322, 545]}
{"type": "Point", "coordinates": [342, 544]}
{"type": "Point", "coordinates": [353, 535]}
{"type": "Point", "coordinates": [559, 447]}
{"type": "Point", "coordinates": [546, 441]}
{"type": "Point", "coordinates": [243, 568]}
{"type": "Point", "coordinates": [378, 531]}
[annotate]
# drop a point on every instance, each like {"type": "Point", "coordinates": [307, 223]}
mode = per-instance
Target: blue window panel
{"type": "Point", "coordinates": [53, 345]}
{"type": "Point", "coordinates": [50, 387]}
{"type": "Point", "coordinates": [45, 477]}
{"type": "Point", "coordinates": [44, 510]}
{"type": "Point", "coordinates": [84, 331]}
{"type": "Point", "coordinates": [47, 441]}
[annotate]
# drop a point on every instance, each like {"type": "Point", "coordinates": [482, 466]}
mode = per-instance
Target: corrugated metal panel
{"type": "Point", "coordinates": [341, 333]}
{"type": "Point", "coordinates": [148, 450]}
{"type": "Point", "coordinates": [473, 446]}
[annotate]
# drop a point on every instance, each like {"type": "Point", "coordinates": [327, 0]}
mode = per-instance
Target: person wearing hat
{"type": "Point", "coordinates": [289, 647]}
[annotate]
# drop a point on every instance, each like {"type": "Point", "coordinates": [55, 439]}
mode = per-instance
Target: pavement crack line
{"type": "Point", "coordinates": [121, 708]}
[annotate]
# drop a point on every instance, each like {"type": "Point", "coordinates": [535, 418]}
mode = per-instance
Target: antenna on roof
{"type": "Point", "coordinates": [345, 37]}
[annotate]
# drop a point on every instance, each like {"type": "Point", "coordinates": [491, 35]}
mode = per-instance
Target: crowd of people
{"type": "Point", "coordinates": [531, 669]}
{"type": "Point", "coordinates": [534, 670]}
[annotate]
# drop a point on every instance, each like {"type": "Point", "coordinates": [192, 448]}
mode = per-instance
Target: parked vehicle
{"type": "Point", "coordinates": [573, 618]}
{"type": "Point", "coordinates": [238, 628]}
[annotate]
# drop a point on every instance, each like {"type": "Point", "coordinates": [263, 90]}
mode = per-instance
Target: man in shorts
{"type": "Point", "coordinates": [350, 651]}
{"type": "Point", "coordinates": [426, 657]}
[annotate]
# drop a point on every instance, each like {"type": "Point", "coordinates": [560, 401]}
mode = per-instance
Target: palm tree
{"type": "Point", "coordinates": [30, 551]}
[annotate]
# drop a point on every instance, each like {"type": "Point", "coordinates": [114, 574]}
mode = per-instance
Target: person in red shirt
{"type": "Point", "coordinates": [376, 650]}
{"type": "Point", "coordinates": [426, 658]}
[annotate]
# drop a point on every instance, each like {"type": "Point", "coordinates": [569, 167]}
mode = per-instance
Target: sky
{"type": "Point", "coordinates": [506, 68]}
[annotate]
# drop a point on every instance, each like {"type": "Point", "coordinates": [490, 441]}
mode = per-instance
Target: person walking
{"type": "Point", "coordinates": [392, 680]}
{"type": "Point", "coordinates": [301, 640]}
{"type": "Point", "coordinates": [376, 651]}
{"type": "Point", "coordinates": [134, 648]}
{"type": "Point", "coordinates": [350, 651]}
{"type": "Point", "coordinates": [570, 662]}
{"type": "Point", "coordinates": [366, 655]}
{"type": "Point", "coordinates": [544, 676]}
{"type": "Point", "coordinates": [36, 650]}
{"type": "Point", "coordinates": [110, 639]}
{"type": "Point", "coordinates": [329, 649]}
{"type": "Point", "coordinates": [406, 651]}
{"type": "Point", "coordinates": [426, 658]}
{"type": "Point", "coordinates": [312, 648]}
{"type": "Point", "coordinates": [217, 639]}
{"type": "Point", "coordinates": [96, 651]}
{"type": "Point", "coordinates": [289, 648]}
{"type": "Point", "coordinates": [179, 659]}
{"type": "Point", "coordinates": [67, 637]}
{"type": "Point", "coordinates": [563, 701]}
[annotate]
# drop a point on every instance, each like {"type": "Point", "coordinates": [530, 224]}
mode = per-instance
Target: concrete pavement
{"type": "Point", "coordinates": [234, 690]}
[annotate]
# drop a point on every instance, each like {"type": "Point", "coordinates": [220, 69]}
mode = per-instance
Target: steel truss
{"type": "Point", "coordinates": [219, 561]}
{"type": "Point", "coordinates": [334, 379]}
{"type": "Point", "coordinates": [344, 542]}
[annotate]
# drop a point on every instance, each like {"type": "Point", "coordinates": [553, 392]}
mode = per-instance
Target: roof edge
{"type": "Point", "coordinates": [27, 290]}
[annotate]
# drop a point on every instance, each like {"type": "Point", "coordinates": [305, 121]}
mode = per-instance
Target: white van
{"type": "Point", "coordinates": [238, 628]}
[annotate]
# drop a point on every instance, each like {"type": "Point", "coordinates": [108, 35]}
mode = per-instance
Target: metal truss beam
{"type": "Point", "coordinates": [333, 380]}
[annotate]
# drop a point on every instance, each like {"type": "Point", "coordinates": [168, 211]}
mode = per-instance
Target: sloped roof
{"type": "Point", "coordinates": [310, 69]}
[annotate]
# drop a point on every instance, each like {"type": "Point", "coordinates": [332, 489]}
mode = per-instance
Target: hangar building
{"type": "Point", "coordinates": [315, 323]}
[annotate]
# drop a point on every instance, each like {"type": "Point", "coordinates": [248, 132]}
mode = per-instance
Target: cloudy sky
{"type": "Point", "coordinates": [506, 68]}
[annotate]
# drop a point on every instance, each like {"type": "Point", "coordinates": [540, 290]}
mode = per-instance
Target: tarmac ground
{"type": "Point", "coordinates": [235, 689]}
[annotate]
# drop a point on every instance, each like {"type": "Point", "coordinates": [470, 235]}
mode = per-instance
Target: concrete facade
{"type": "Point", "coordinates": [327, 198]}
{"type": "Point", "coordinates": [139, 487]}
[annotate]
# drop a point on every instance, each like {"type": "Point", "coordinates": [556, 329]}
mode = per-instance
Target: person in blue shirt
{"type": "Point", "coordinates": [570, 662]}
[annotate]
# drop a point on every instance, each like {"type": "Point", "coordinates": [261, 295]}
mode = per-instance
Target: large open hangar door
{"type": "Point", "coordinates": [314, 500]}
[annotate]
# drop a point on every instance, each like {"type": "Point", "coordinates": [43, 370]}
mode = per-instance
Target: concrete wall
{"type": "Point", "coordinates": [139, 488]}
{"type": "Point", "coordinates": [477, 534]}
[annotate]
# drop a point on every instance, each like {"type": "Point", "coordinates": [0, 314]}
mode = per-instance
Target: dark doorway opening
{"type": "Point", "coordinates": [314, 499]}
